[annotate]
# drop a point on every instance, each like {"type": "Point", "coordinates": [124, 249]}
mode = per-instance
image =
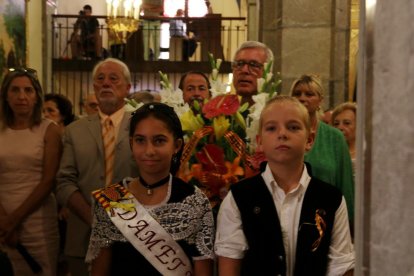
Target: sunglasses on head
{"type": "Point", "coordinates": [29, 71]}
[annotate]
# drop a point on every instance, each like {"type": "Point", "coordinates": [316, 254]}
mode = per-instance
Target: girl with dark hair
{"type": "Point", "coordinates": [155, 224]}
{"type": "Point", "coordinates": [29, 158]}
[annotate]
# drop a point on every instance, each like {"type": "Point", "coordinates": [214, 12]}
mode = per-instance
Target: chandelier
{"type": "Point", "coordinates": [123, 17]}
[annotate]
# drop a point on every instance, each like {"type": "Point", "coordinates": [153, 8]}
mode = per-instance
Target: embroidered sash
{"type": "Point", "coordinates": [143, 231]}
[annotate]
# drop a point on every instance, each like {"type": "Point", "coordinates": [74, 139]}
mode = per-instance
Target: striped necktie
{"type": "Point", "coordinates": [108, 135]}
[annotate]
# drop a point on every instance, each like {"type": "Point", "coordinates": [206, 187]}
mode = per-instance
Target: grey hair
{"type": "Point", "coordinates": [256, 44]}
{"type": "Point", "coordinates": [125, 69]}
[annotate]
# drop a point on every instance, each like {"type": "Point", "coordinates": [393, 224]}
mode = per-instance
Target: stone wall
{"type": "Point", "coordinates": [309, 37]}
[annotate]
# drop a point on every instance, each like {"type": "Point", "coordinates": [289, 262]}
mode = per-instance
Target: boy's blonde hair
{"type": "Point", "coordinates": [282, 99]}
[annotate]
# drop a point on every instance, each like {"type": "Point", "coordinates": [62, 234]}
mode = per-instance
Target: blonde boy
{"type": "Point", "coordinates": [283, 221]}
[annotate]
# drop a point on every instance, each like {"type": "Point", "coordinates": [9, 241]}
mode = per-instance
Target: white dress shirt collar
{"type": "Point", "coordinates": [275, 189]}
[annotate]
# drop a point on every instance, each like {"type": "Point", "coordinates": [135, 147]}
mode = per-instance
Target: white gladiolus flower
{"type": "Point", "coordinates": [260, 82]}
{"type": "Point", "coordinates": [254, 117]}
{"type": "Point", "coordinates": [269, 76]}
{"type": "Point", "coordinates": [171, 97]}
{"type": "Point", "coordinates": [214, 74]}
{"type": "Point", "coordinates": [218, 63]}
{"type": "Point", "coordinates": [217, 88]}
{"type": "Point", "coordinates": [260, 99]}
{"type": "Point", "coordinates": [181, 109]}
{"type": "Point", "coordinates": [251, 133]}
{"type": "Point", "coordinates": [129, 107]}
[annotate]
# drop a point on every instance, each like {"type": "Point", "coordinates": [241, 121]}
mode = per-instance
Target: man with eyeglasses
{"type": "Point", "coordinates": [90, 104]}
{"type": "Point", "coordinates": [96, 153]}
{"type": "Point", "coordinates": [248, 66]}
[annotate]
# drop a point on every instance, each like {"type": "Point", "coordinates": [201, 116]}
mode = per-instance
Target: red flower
{"type": "Point", "coordinates": [223, 104]}
{"type": "Point", "coordinates": [212, 159]}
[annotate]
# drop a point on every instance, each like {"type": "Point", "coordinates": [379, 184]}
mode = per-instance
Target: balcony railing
{"type": "Point", "coordinates": [71, 75]}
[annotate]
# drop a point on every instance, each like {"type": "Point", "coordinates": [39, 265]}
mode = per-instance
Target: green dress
{"type": "Point", "coordinates": [331, 162]}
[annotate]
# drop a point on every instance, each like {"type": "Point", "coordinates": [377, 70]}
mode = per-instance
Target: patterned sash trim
{"type": "Point", "coordinates": [143, 231]}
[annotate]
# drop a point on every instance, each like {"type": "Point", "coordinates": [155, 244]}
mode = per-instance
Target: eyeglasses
{"type": "Point", "coordinates": [254, 67]}
{"type": "Point", "coordinates": [31, 72]}
{"type": "Point", "coordinates": [93, 105]}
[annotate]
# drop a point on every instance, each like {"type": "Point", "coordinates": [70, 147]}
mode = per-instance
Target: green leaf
{"type": "Point", "coordinates": [196, 105]}
{"type": "Point", "coordinates": [240, 120]}
{"type": "Point", "coordinates": [243, 108]}
{"type": "Point", "coordinates": [212, 61]}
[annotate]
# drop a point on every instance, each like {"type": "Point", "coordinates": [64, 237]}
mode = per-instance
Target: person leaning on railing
{"type": "Point", "coordinates": [89, 42]}
{"type": "Point", "coordinates": [178, 29]}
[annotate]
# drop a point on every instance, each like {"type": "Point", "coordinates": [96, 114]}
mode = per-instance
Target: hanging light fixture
{"type": "Point", "coordinates": [123, 17]}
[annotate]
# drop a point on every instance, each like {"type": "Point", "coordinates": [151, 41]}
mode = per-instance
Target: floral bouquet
{"type": "Point", "coordinates": [220, 146]}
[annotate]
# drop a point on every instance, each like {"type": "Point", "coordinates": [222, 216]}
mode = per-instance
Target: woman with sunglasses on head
{"type": "Point", "coordinates": [155, 224]}
{"type": "Point", "coordinates": [29, 159]}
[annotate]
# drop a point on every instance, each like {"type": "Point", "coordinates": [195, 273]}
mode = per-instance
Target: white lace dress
{"type": "Point", "coordinates": [185, 214]}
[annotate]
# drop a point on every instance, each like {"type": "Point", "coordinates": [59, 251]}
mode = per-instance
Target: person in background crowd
{"type": "Point", "coordinates": [58, 108]}
{"type": "Point", "coordinates": [117, 44]}
{"type": "Point", "coordinates": [156, 95]}
{"type": "Point", "coordinates": [29, 158]}
{"type": "Point", "coordinates": [177, 26]}
{"type": "Point", "coordinates": [75, 39]}
{"type": "Point", "coordinates": [96, 153]}
{"type": "Point", "coordinates": [179, 29]}
{"type": "Point", "coordinates": [176, 213]}
{"type": "Point", "coordinates": [248, 66]}
{"type": "Point", "coordinates": [284, 221]}
{"type": "Point", "coordinates": [151, 28]}
{"type": "Point", "coordinates": [90, 104]}
{"type": "Point", "coordinates": [209, 8]}
{"type": "Point", "coordinates": [142, 97]}
{"type": "Point", "coordinates": [344, 119]}
{"type": "Point", "coordinates": [89, 43]}
{"type": "Point", "coordinates": [195, 86]}
{"type": "Point", "coordinates": [326, 117]}
{"type": "Point", "coordinates": [329, 156]}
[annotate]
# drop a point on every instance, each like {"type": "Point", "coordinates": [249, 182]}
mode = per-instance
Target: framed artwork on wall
{"type": "Point", "coordinates": [12, 33]}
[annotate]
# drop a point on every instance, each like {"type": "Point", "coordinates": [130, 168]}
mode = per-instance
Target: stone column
{"type": "Point", "coordinates": [252, 20]}
{"type": "Point", "coordinates": [385, 166]}
{"type": "Point", "coordinates": [309, 37]}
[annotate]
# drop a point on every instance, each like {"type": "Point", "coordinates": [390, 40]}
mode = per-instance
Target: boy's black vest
{"type": "Point", "coordinates": [261, 226]}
